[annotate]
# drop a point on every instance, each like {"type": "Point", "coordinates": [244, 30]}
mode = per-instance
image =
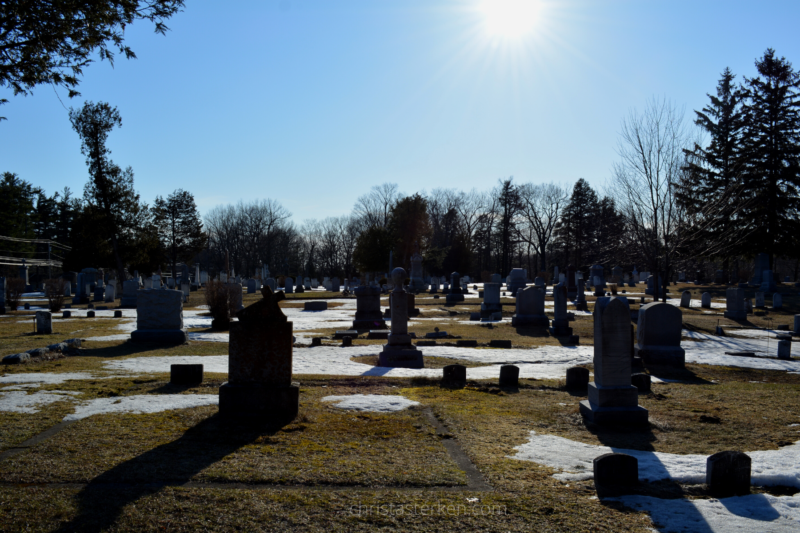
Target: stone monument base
{"type": "Point", "coordinates": [454, 298]}
{"type": "Point", "coordinates": [736, 315]}
{"type": "Point", "coordinates": [369, 324]}
{"type": "Point", "coordinates": [160, 336]}
{"type": "Point", "coordinates": [561, 328]}
{"type": "Point", "coordinates": [254, 402]}
{"type": "Point", "coordinates": [530, 320]}
{"type": "Point", "coordinates": [614, 415]}
{"type": "Point", "coordinates": [662, 355]}
{"type": "Point", "coordinates": [400, 357]}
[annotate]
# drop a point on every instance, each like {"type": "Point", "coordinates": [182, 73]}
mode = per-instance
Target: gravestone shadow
{"type": "Point", "coordinates": [101, 502]}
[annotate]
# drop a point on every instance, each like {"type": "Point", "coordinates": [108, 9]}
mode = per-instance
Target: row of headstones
{"type": "Point", "coordinates": [705, 300]}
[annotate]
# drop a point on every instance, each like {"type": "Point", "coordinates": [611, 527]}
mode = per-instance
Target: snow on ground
{"type": "Point", "coordinates": [48, 379]}
{"type": "Point", "coordinates": [146, 403]}
{"type": "Point", "coordinates": [19, 401]}
{"type": "Point", "coordinates": [544, 363]}
{"type": "Point", "coordinates": [711, 351]}
{"type": "Point", "coordinates": [740, 514]}
{"type": "Point", "coordinates": [371, 402]}
{"type": "Point", "coordinates": [574, 459]}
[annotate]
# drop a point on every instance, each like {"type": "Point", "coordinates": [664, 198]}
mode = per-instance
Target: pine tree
{"type": "Point", "coordinates": [712, 174]}
{"type": "Point", "coordinates": [180, 229]}
{"type": "Point", "coordinates": [771, 154]}
{"type": "Point", "coordinates": [509, 204]}
{"type": "Point", "coordinates": [575, 231]}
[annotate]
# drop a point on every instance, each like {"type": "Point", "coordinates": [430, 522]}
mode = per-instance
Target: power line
{"type": "Point", "coordinates": [35, 241]}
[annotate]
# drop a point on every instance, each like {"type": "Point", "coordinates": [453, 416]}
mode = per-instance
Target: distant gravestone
{"type": "Point", "coordinates": [159, 317]}
{"type": "Point", "coordinates": [251, 286]}
{"type": "Point", "coordinates": [785, 350]}
{"type": "Point", "coordinates": [577, 378]}
{"type": "Point", "coordinates": [129, 288]}
{"type": "Point", "coordinates": [288, 285]}
{"type": "Point", "coordinates": [516, 280]}
{"type": "Point", "coordinates": [67, 289]}
{"type": "Point", "coordinates": [658, 335]}
{"type": "Point", "coordinates": [530, 308]}
{"type": "Point", "coordinates": [335, 284]}
{"type": "Point", "coordinates": [705, 301]}
{"type": "Point", "coordinates": [399, 352]}
{"type": "Point", "coordinates": [560, 327]}
{"type": "Point", "coordinates": [111, 291]}
{"type": "Point", "coordinates": [454, 376]}
{"type": "Point", "coordinates": [615, 474]}
{"type": "Point", "coordinates": [368, 308]}
{"type": "Point", "coordinates": [580, 297]}
{"type": "Point", "coordinates": [686, 299]}
{"type": "Point", "coordinates": [761, 264]}
{"type": "Point", "coordinates": [99, 293]}
{"type": "Point", "coordinates": [734, 304]}
{"type": "Point", "coordinates": [491, 301]}
{"type": "Point", "coordinates": [316, 306]}
{"type": "Point", "coordinates": [44, 322]}
{"type": "Point", "coordinates": [509, 376]}
{"type": "Point", "coordinates": [767, 281]}
{"type": "Point", "coordinates": [612, 398]}
{"type": "Point", "coordinates": [270, 282]}
{"type": "Point", "coordinates": [760, 300]}
{"type": "Point", "coordinates": [259, 387]}
{"type": "Point", "coordinates": [456, 294]}
{"type": "Point", "coordinates": [777, 300]}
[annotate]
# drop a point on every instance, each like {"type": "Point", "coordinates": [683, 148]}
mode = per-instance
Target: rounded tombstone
{"type": "Point", "coordinates": [686, 299]}
{"type": "Point", "coordinates": [347, 341]}
{"type": "Point", "coordinates": [509, 376]}
{"type": "Point", "coordinates": [89, 314]}
{"type": "Point", "coordinates": [577, 378]}
{"type": "Point", "coordinates": [642, 382]}
{"type": "Point", "coordinates": [117, 314]}
{"type": "Point", "coordinates": [728, 474]}
{"type": "Point", "coordinates": [316, 341]}
{"type": "Point", "coordinates": [66, 314]}
{"type": "Point", "coordinates": [705, 300]}
{"type": "Point", "coordinates": [615, 474]}
{"type": "Point", "coordinates": [398, 278]}
{"type": "Point", "coordinates": [454, 376]}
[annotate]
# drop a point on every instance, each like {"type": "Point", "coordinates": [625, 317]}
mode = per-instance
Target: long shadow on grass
{"type": "Point", "coordinates": [101, 502]}
{"type": "Point", "coordinates": [123, 349]}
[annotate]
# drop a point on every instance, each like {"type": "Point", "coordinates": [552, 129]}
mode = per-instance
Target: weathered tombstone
{"type": "Point", "coordinates": [616, 275]}
{"type": "Point", "coordinates": [734, 303]}
{"type": "Point", "coordinates": [288, 285]}
{"type": "Point", "coordinates": [159, 317]}
{"type": "Point", "coordinates": [596, 271]}
{"type": "Point", "coordinates": [434, 285]}
{"type": "Point", "coordinates": [516, 280]}
{"type": "Point", "coordinates": [89, 314]}
{"type": "Point", "coordinates": [530, 308]}
{"type": "Point", "coordinates": [399, 352]}
{"type": "Point", "coordinates": [705, 301]}
{"type": "Point", "coordinates": [560, 327]}
{"type": "Point", "coordinates": [580, 298]}
{"type": "Point", "coordinates": [491, 301]}
{"type": "Point", "coordinates": [185, 375]}
{"type": "Point", "coordinates": [186, 289]}
{"type": "Point", "coordinates": [170, 282]}
{"type": "Point", "coordinates": [99, 293]}
{"type": "Point", "coordinates": [67, 289]}
{"type": "Point", "coordinates": [509, 376]}
{"type": "Point", "coordinates": [615, 474]}
{"type": "Point", "coordinates": [612, 398]}
{"type": "Point", "coordinates": [368, 308]}
{"type": "Point", "coordinates": [785, 349]}
{"type": "Point", "coordinates": [259, 386]}
{"type": "Point", "coordinates": [539, 282]}
{"type": "Point", "coordinates": [416, 283]}
{"type": "Point", "coordinates": [251, 286]}
{"type": "Point", "coordinates": [658, 335]}
{"type": "Point", "coordinates": [236, 293]}
{"type": "Point", "coordinates": [456, 294]}
{"type": "Point", "coordinates": [44, 322]}
{"type": "Point", "coordinates": [777, 300]}
{"type": "Point", "coordinates": [571, 282]}
{"type": "Point", "coordinates": [686, 299]}
{"type": "Point", "coordinates": [270, 282]}
{"type": "Point", "coordinates": [719, 277]}
{"type": "Point", "coordinates": [111, 293]}
{"type": "Point", "coordinates": [347, 341]}
{"type": "Point", "coordinates": [129, 288]}
{"type": "Point", "coordinates": [66, 314]}
{"type": "Point", "coordinates": [761, 263]}
{"type": "Point", "coordinates": [117, 314]}
{"type": "Point", "coordinates": [728, 474]}
{"type": "Point", "coordinates": [759, 299]}
{"type": "Point", "coordinates": [577, 378]}
{"type": "Point", "coordinates": [335, 285]}
{"type": "Point", "coordinates": [454, 376]}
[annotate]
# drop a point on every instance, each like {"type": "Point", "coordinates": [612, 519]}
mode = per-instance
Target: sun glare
{"type": "Point", "coordinates": [510, 19]}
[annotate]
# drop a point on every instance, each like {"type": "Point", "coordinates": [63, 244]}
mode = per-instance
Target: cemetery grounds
{"type": "Point", "coordinates": [73, 457]}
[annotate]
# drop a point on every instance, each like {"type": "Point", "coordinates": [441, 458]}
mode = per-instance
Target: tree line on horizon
{"type": "Point", "coordinates": [678, 199]}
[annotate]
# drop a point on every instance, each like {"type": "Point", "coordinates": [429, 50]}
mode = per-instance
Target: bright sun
{"type": "Point", "coordinates": [509, 18]}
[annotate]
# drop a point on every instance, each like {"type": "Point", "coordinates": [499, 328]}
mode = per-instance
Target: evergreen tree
{"type": "Point", "coordinates": [180, 229]}
{"type": "Point", "coordinates": [110, 189]}
{"type": "Point", "coordinates": [409, 224]}
{"type": "Point", "coordinates": [17, 211]}
{"type": "Point", "coordinates": [712, 174]}
{"type": "Point", "coordinates": [509, 204]}
{"type": "Point", "coordinates": [771, 152]}
{"type": "Point", "coordinates": [576, 227]}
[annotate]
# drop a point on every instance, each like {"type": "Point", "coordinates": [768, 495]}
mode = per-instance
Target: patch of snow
{"type": "Point", "coordinates": [146, 403]}
{"type": "Point", "coordinates": [574, 459]}
{"type": "Point", "coordinates": [21, 402]}
{"type": "Point", "coordinates": [754, 512]}
{"type": "Point", "coordinates": [45, 378]}
{"type": "Point", "coordinates": [371, 402]}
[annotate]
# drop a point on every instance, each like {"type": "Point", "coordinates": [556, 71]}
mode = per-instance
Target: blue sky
{"type": "Point", "coordinates": [312, 102]}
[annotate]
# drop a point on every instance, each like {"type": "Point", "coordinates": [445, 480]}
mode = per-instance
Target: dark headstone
{"type": "Point", "coordinates": [117, 314]}
{"type": "Point", "coordinates": [577, 378]}
{"type": "Point", "coordinates": [498, 343]}
{"type": "Point", "coordinates": [89, 314]}
{"type": "Point", "coordinates": [186, 374]}
{"type": "Point", "coordinates": [615, 474]}
{"type": "Point", "coordinates": [641, 381]}
{"type": "Point", "coordinates": [509, 376]}
{"type": "Point", "coordinates": [347, 341]}
{"type": "Point", "coordinates": [66, 314]}
{"type": "Point", "coordinates": [467, 343]}
{"type": "Point", "coordinates": [728, 474]}
{"type": "Point", "coordinates": [316, 341]}
{"type": "Point", "coordinates": [454, 376]}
